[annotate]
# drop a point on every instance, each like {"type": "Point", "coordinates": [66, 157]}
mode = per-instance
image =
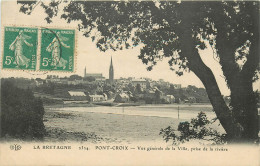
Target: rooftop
{"type": "Point", "coordinates": [138, 80]}
{"type": "Point", "coordinates": [76, 93]}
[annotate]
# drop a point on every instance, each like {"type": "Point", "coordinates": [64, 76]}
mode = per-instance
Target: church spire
{"type": "Point", "coordinates": [111, 62]}
{"type": "Point", "coordinates": [111, 71]}
{"type": "Point", "coordinates": [85, 72]}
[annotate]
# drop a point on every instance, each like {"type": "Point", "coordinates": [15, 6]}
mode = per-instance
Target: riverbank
{"type": "Point", "coordinates": [116, 124]}
{"type": "Point", "coordinates": [112, 104]}
{"type": "Point", "coordinates": [107, 127]}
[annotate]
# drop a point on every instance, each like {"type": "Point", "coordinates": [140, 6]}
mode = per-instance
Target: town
{"type": "Point", "coordinates": [96, 89]}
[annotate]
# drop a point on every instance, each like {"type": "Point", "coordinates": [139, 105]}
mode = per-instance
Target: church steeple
{"type": "Point", "coordinates": [85, 72]}
{"type": "Point", "coordinates": [111, 71]}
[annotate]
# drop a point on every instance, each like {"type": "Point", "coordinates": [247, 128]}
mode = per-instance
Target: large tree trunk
{"type": "Point", "coordinates": [233, 128]}
{"type": "Point", "coordinates": [243, 98]}
{"type": "Point", "coordinates": [243, 103]}
{"type": "Point", "coordinates": [239, 121]}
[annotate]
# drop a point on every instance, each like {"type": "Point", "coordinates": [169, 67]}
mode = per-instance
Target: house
{"type": "Point", "coordinates": [169, 99]}
{"type": "Point", "coordinates": [39, 82]}
{"type": "Point", "coordinates": [77, 95]}
{"type": "Point", "coordinates": [110, 94]}
{"type": "Point", "coordinates": [177, 86]}
{"type": "Point", "coordinates": [122, 98]}
{"type": "Point", "coordinates": [52, 78]}
{"type": "Point", "coordinates": [140, 81]}
{"type": "Point", "coordinates": [96, 98]}
{"type": "Point", "coordinates": [150, 93]}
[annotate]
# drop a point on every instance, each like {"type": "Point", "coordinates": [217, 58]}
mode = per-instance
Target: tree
{"type": "Point", "coordinates": [90, 79]}
{"type": "Point", "coordinates": [21, 113]}
{"type": "Point", "coordinates": [75, 77]}
{"type": "Point", "coordinates": [131, 87]}
{"type": "Point", "coordinates": [178, 31]}
{"type": "Point", "coordinates": [197, 128]}
{"type": "Point", "coordinates": [157, 96]}
{"type": "Point", "coordinates": [138, 89]}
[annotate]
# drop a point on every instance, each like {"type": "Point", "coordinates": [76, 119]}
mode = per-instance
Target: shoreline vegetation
{"type": "Point", "coordinates": [60, 103]}
{"type": "Point", "coordinates": [117, 105]}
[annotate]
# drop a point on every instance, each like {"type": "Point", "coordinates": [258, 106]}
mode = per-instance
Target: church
{"type": "Point", "coordinates": [99, 76]}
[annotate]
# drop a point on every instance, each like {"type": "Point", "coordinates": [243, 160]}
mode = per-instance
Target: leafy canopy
{"type": "Point", "coordinates": [158, 26]}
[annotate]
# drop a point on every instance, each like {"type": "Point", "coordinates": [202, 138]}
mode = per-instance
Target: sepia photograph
{"type": "Point", "coordinates": [129, 82]}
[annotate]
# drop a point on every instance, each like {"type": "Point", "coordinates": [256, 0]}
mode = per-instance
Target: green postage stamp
{"type": "Point", "coordinates": [54, 48]}
{"type": "Point", "coordinates": [57, 49]}
{"type": "Point", "coordinates": [20, 48]}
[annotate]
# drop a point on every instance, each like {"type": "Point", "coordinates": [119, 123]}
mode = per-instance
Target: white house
{"type": "Point", "coordinates": [77, 95]}
{"type": "Point", "coordinates": [169, 98]}
{"type": "Point", "coordinates": [95, 98]}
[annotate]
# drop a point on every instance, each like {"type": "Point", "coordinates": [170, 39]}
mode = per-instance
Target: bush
{"type": "Point", "coordinates": [197, 128]}
{"type": "Point", "coordinates": [21, 113]}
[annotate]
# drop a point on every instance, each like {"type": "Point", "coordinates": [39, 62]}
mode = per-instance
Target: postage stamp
{"type": "Point", "coordinates": [57, 49]}
{"type": "Point", "coordinates": [20, 48]}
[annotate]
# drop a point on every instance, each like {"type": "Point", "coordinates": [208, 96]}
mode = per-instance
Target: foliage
{"type": "Point", "coordinates": [21, 113]}
{"type": "Point", "coordinates": [75, 77]}
{"type": "Point", "coordinates": [178, 31]}
{"type": "Point", "coordinates": [90, 79]}
{"type": "Point", "coordinates": [158, 26]}
{"type": "Point", "coordinates": [197, 128]}
{"type": "Point", "coordinates": [61, 90]}
{"type": "Point", "coordinates": [138, 89]}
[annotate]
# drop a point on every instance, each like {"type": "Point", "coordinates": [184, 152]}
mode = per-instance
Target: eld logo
{"type": "Point", "coordinates": [15, 147]}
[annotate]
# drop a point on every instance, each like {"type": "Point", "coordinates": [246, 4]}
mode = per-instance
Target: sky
{"type": "Point", "coordinates": [125, 62]}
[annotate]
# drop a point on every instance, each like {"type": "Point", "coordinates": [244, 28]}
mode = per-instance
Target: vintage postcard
{"type": "Point", "coordinates": [129, 83]}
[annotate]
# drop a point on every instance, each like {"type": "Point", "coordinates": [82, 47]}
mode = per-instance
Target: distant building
{"type": "Point", "coordinates": [110, 94]}
{"type": "Point", "coordinates": [39, 81]}
{"type": "Point", "coordinates": [122, 98]}
{"type": "Point", "coordinates": [169, 99]}
{"type": "Point", "coordinates": [100, 78]}
{"type": "Point", "coordinates": [111, 72]}
{"type": "Point", "coordinates": [52, 78]}
{"type": "Point", "coordinates": [77, 95]}
{"type": "Point", "coordinates": [177, 86]}
{"type": "Point", "coordinates": [96, 98]}
{"type": "Point", "coordinates": [75, 82]}
{"type": "Point", "coordinates": [140, 81]}
{"type": "Point", "coordinates": [150, 93]}
{"type": "Point", "coordinates": [97, 76]}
